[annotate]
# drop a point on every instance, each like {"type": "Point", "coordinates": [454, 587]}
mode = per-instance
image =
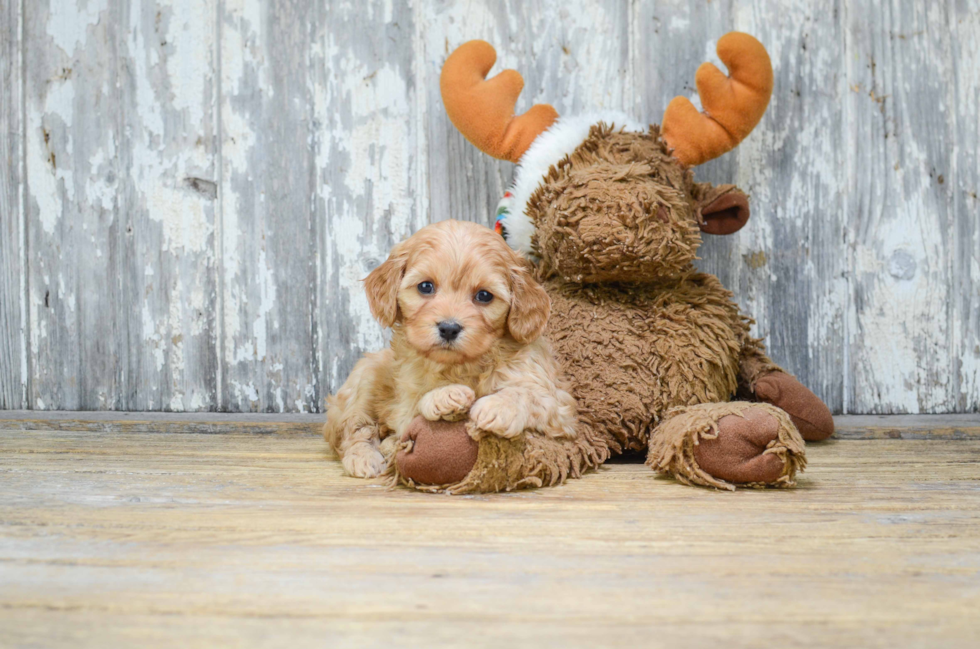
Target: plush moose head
{"type": "Point", "coordinates": [602, 198]}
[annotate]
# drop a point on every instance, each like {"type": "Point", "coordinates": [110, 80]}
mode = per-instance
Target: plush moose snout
{"type": "Point", "coordinates": [617, 223]}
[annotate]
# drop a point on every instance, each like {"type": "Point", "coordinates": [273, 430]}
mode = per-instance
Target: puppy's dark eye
{"type": "Point", "coordinates": [484, 297]}
{"type": "Point", "coordinates": [427, 288]}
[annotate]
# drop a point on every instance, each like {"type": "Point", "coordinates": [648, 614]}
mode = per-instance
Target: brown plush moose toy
{"type": "Point", "coordinates": [653, 350]}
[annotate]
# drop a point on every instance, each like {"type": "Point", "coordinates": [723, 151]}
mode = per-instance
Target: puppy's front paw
{"type": "Point", "coordinates": [364, 461]}
{"type": "Point", "coordinates": [449, 403]}
{"type": "Point", "coordinates": [498, 415]}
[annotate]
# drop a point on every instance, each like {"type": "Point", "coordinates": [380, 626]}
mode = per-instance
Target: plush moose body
{"type": "Point", "coordinates": [653, 350]}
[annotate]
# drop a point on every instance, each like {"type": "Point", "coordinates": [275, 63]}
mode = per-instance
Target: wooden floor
{"type": "Point", "coordinates": [121, 536]}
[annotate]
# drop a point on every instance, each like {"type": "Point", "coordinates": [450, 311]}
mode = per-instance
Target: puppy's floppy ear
{"type": "Point", "coordinates": [530, 306]}
{"type": "Point", "coordinates": [382, 286]}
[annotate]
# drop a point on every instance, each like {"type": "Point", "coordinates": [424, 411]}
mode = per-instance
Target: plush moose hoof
{"type": "Point", "coordinates": [442, 452]}
{"type": "Point", "coordinates": [738, 455]}
{"type": "Point", "coordinates": [810, 415]}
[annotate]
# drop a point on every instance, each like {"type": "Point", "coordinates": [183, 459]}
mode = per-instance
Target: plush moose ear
{"type": "Point", "coordinates": [733, 104]}
{"type": "Point", "coordinates": [483, 109]}
{"type": "Point", "coordinates": [382, 285]}
{"type": "Point", "coordinates": [723, 210]}
{"type": "Point", "coordinates": [530, 307]}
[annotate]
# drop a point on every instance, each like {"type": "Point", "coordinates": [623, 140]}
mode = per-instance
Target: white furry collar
{"type": "Point", "coordinates": [560, 140]}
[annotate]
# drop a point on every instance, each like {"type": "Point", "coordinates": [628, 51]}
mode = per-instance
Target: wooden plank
{"type": "Point", "coordinates": [370, 165]}
{"type": "Point", "coordinates": [785, 267]}
{"type": "Point", "coordinates": [848, 427]}
{"type": "Point", "coordinates": [258, 540]}
{"type": "Point", "coordinates": [669, 41]}
{"type": "Point", "coordinates": [268, 224]}
{"type": "Point", "coordinates": [934, 427]}
{"type": "Point", "coordinates": [860, 262]}
{"type": "Point", "coordinates": [208, 423]}
{"type": "Point", "coordinates": [964, 225]}
{"type": "Point", "coordinates": [573, 56]}
{"type": "Point", "coordinates": [121, 189]}
{"type": "Point", "coordinates": [13, 254]}
{"type": "Point", "coordinates": [791, 271]}
{"type": "Point", "coordinates": [898, 70]}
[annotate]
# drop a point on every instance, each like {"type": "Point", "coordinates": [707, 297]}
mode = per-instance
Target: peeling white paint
{"type": "Point", "coordinates": [899, 213]}
{"type": "Point", "coordinates": [199, 401]}
{"type": "Point", "coordinates": [238, 51]}
{"type": "Point", "coordinates": [152, 337]}
{"type": "Point", "coordinates": [244, 392]}
{"type": "Point", "coordinates": [874, 250]}
{"type": "Point", "coordinates": [678, 24]}
{"type": "Point", "coordinates": [189, 68]}
{"type": "Point", "coordinates": [51, 179]}
{"type": "Point", "coordinates": [185, 225]}
{"type": "Point", "coordinates": [378, 146]}
{"type": "Point", "coordinates": [69, 23]}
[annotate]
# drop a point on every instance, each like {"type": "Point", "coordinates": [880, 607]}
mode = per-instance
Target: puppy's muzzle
{"type": "Point", "coordinates": [449, 330]}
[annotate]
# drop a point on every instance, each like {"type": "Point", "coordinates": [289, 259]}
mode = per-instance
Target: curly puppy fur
{"type": "Point", "coordinates": [497, 370]}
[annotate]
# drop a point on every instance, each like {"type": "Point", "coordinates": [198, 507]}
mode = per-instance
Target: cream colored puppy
{"type": "Point", "coordinates": [466, 319]}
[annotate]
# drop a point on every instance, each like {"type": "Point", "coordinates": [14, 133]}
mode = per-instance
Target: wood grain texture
{"type": "Point", "coordinates": [247, 540]}
{"type": "Point", "coordinates": [937, 427]}
{"type": "Point", "coordinates": [899, 128]}
{"type": "Point", "coordinates": [670, 41]}
{"type": "Point", "coordinates": [121, 168]}
{"type": "Point", "coordinates": [964, 198]}
{"type": "Point", "coordinates": [850, 427]}
{"type": "Point", "coordinates": [268, 225]}
{"type": "Point", "coordinates": [371, 188]}
{"type": "Point", "coordinates": [207, 182]}
{"type": "Point", "coordinates": [14, 375]}
{"type": "Point", "coordinates": [792, 275]}
{"type": "Point", "coordinates": [210, 423]}
{"type": "Point", "coordinates": [786, 267]}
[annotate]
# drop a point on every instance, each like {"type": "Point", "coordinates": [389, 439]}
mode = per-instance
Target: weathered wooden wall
{"type": "Point", "coordinates": [191, 189]}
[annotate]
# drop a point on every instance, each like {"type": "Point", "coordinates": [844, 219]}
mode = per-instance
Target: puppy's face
{"type": "Point", "coordinates": [455, 288]}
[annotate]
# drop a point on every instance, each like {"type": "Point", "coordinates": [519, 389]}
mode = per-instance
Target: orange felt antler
{"type": "Point", "coordinates": [483, 110]}
{"type": "Point", "coordinates": [733, 105]}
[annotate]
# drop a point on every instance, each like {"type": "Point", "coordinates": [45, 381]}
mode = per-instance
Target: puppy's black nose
{"type": "Point", "coordinates": [449, 330]}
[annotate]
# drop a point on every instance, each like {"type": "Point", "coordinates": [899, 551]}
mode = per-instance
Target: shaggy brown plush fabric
{"type": "Point", "coordinates": [652, 350]}
{"type": "Point", "coordinates": [753, 363]}
{"type": "Point", "coordinates": [632, 352]}
{"type": "Point", "coordinates": [767, 431]}
{"type": "Point", "coordinates": [617, 209]}
{"type": "Point", "coordinates": [531, 460]}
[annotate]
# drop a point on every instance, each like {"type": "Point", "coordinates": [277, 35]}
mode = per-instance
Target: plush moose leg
{"type": "Point", "coordinates": [442, 456]}
{"type": "Point", "coordinates": [727, 444]}
{"type": "Point", "coordinates": [762, 380]}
